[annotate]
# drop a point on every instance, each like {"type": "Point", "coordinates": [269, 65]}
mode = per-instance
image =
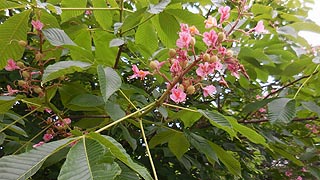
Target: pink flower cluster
{"type": "Point", "coordinates": [191, 71]}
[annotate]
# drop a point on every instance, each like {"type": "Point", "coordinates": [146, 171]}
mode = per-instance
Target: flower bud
{"type": "Point", "coordinates": [38, 56]}
{"type": "Point", "coordinates": [22, 83]}
{"type": "Point", "coordinates": [193, 41]}
{"type": "Point", "coordinates": [191, 90]}
{"type": "Point", "coordinates": [37, 90]}
{"type": "Point", "coordinates": [25, 74]}
{"type": "Point", "coordinates": [181, 87]}
{"type": "Point", "coordinates": [213, 59]}
{"type": "Point", "coordinates": [206, 57]}
{"type": "Point", "coordinates": [20, 64]}
{"type": "Point", "coordinates": [221, 37]}
{"type": "Point", "coordinates": [22, 43]}
{"type": "Point", "coordinates": [153, 65]}
{"type": "Point", "coordinates": [172, 53]}
{"type": "Point", "coordinates": [229, 53]}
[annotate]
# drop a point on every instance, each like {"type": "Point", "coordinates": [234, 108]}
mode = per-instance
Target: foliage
{"type": "Point", "coordinates": [158, 90]}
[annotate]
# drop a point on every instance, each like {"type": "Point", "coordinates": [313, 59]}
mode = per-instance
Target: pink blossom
{"type": "Point", "coordinates": [159, 64]}
{"type": "Point", "coordinates": [210, 38]}
{"type": "Point", "coordinates": [47, 137]}
{"type": "Point", "coordinates": [177, 95]}
{"type": "Point", "coordinates": [184, 28]}
{"type": "Point", "coordinates": [88, 12]}
{"type": "Point", "coordinates": [225, 13]}
{"type": "Point", "coordinates": [204, 69]}
{"type": "Point", "coordinates": [217, 65]}
{"type": "Point", "coordinates": [138, 73]}
{"type": "Point", "coordinates": [49, 111]}
{"type": "Point", "coordinates": [11, 65]}
{"type": "Point", "coordinates": [10, 91]}
{"type": "Point", "coordinates": [222, 50]}
{"type": "Point", "coordinates": [38, 144]}
{"type": "Point", "coordinates": [299, 178]}
{"type": "Point", "coordinates": [308, 126]}
{"type": "Point", "coordinates": [234, 70]}
{"type": "Point", "coordinates": [38, 25]}
{"type": "Point", "coordinates": [175, 67]}
{"type": "Point", "coordinates": [259, 27]}
{"type": "Point", "coordinates": [262, 110]}
{"type": "Point", "coordinates": [210, 22]}
{"type": "Point", "coordinates": [193, 30]}
{"type": "Point", "coordinates": [303, 169]}
{"type": "Point", "coordinates": [288, 173]}
{"type": "Point", "coordinates": [184, 40]}
{"type": "Point", "coordinates": [209, 90]}
{"type": "Point", "coordinates": [67, 120]}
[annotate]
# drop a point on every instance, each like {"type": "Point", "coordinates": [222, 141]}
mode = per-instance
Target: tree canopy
{"type": "Point", "coordinates": [158, 89]}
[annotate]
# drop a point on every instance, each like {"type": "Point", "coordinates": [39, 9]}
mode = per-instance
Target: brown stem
{"type": "Point", "coordinates": [118, 57]}
{"type": "Point", "coordinates": [315, 118]}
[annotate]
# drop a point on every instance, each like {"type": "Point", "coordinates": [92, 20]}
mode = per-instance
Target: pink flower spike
{"type": "Point", "coordinates": [38, 25]}
{"type": "Point", "coordinates": [184, 40]}
{"type": "Point", "coordinates": [11, 91]}
{"type": "Point", "coordinates": [259, 27]}
{"type": "Point", "coordinates": [177, 95]}
{"type": "Point", "coordinates": [47, 137]}
{"type": "Point", "coordinates": [138, 73]}
{"type": "Point", "coordinates": [193, 30]}
{"type": "Point", "coordinates": [209, 90]}
{"type": "Point", "coordinates": [38, 144]}
{"type": "Point", "coordinates": [225, 13]}
{"type": "Point", "coordinates": [210, 22]}
{"type": "Point", "coordinates": [210, 38]}
{"type": "Point", "coordinates": [159, 64]}
{"type": "Point", "coordinates": [11, 65]}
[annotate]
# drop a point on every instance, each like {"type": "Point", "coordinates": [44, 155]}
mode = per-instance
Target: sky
{"type": "Point", "coordinates": [314, 15]}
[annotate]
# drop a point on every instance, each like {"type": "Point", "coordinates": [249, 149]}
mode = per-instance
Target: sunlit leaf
{"type": "Point", "coordinates": [109, 81]}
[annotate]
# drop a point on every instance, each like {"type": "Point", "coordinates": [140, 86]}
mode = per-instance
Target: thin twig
{"type": "Point", "coordinates": [315, 118]}
{"type": "Point", "coordinates": [148, 150]}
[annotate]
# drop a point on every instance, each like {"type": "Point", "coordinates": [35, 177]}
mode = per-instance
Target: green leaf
{"type": "Point", "coordinates": [252, 107]}
{"type": "Point", "coordinates": [11, 32]}
{"type": "Point", "coordinates": [158, 8]}
{"type": "Point", "coordinates": [281, 110]}
{"type": "Point", "coordinates": [312, 106]}
{"type": "Point", "coordinates": [147, 30]}
{"type": "Point", "coordinates": [306, 26]}
{"type": "Point", "coordinates": [167, 28]}
{"type": "Point", "coordinates": [203, 146]}
{"type": "Point", "coordinates": [85, 160]}
{"type": "Point", "coordinates": [247, 132]}
{"type": "Point", "coordinates": [133, 19]}
{"type": "Point", "coordinates": [160, 138]}
{"type": "Point", "coordinates": [227, 159]}
{"type": "Point", "coordinates": [10, 5]}
{"type": "Point", "coordinates": [104, 55]}
{"type": "Point", "coordinates": [120, 153]}
{"type": "Point", "coordinates": [15, 129]}
{"type": "Point", "coordinates": [189, 118]}
{"type": "Point", "coordinates": [188, 18]}
{"type": "Point", "coordinates": [109, 81]}
{"type": "Point", "coordinates": [62, 68]}
{"type": "Point", "coordinates": [127, 136]}
{"type": "Point", "coordinates": [116, 42]}
{"type": "Point", "coordinates": [178, 144]}
{"type": "Point", "coordinates": [87, 100]}
{"type": "Point", "coordinates": [24, 165]}
{"type": "Point", "coordinates": [68, 14]}
{"type": "Point", "coordinates": [6, 103]}
{"type": "Point", "coordinates": [114, 110]}
{"type": "Point", "coordinates": [104, 17]}
{"type": "Point", "coordinates": [287, 155]}
{"type": "Point", "coordinates": [57, 37]}
{"type": "Point", "coordinates": [218, 120]}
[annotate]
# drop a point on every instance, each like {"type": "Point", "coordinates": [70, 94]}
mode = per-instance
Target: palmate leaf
{"type": "Point", "coordinates": [10, 5]}
{"type": "Point", "coordinates": [24, 165]}
{"type": "Point", "coordinates": [120, 153]}
{"type": "Point", "coordinates": [57, 37]}
{"type": "Point", "coordinates": [282, 110]}
{"type": "Point", "coordinates": [89, 160]}
{"type": "Point", "coordinates": [68, 14]}
{"type": "Point", "coordinates": [6, 102]}
{"type": "Point", "coordinates": [11, 31]}
{"type": "Point", "coordinates": [104, 18]}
